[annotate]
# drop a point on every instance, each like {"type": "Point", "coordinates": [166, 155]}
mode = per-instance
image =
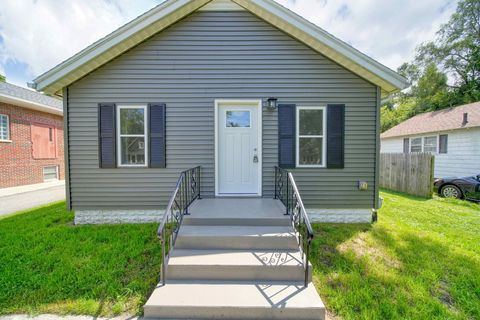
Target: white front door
{"type": "Point", "coordinates": [238, 149]}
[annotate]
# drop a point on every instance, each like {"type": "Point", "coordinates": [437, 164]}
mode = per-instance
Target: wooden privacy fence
{"type": "Point", "coordinates": [411, 173]}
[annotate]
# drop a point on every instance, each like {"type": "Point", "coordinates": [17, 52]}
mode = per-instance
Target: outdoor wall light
{"type": "Point", "coordinates": [272, 104]}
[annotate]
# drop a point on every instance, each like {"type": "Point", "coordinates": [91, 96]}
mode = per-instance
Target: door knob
{"type": "Point", "coordinates": [255, 158]}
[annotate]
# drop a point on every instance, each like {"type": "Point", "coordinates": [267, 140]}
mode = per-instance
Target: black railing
{"type": "Point", "coordinates": [186, 191]}
{"type": "Point", "coordinates": [286, 191]}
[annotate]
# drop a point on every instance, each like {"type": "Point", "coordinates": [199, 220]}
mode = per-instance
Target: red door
{"type": "Point", "coordinates": [44, 144]}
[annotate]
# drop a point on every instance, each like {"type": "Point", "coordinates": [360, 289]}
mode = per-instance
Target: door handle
{"type": "Point", "coordinates": [255, 159]}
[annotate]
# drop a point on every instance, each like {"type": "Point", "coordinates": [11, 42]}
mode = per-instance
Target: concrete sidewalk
{"type": "Point", "coordinates": [26, 197]}
{"type": "Point", "coordinates": [30, 187]}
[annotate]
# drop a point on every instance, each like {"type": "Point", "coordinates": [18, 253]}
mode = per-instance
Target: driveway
{"type": "Point", "coordinates": [29, 199]}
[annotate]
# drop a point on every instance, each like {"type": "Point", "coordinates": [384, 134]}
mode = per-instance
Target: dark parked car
{"type": "Point", "coordinates": [460, 188]}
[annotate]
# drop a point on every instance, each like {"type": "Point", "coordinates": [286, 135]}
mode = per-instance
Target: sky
{"type": "Point", "coordinates": [36, 35]}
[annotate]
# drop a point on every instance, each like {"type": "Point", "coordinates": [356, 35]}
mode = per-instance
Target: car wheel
{"type": "Point", "coordinates": [451, 191]}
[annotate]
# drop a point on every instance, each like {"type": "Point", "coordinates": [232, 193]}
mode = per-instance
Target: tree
{"type": "Point", "coordinates": [410, 71]}
{"type": "Point", "coordinates": [3, 78]}
{"type": "Point", "coordinates": [431, 90]}
{"type": "Point", "coordinates": [456, 50]}
{"type": "Point", "coordinates": [454, 54]}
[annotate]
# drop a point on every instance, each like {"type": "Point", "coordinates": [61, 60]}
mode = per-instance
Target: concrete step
{"type": "Point", "coordinates": [234, 300]}
{"type": "Point", "coordinates": [280, 265]}
{"type": "Point", "coordinates": [236, 237]}
{"type": "Point", "coordinates": [235, 221]}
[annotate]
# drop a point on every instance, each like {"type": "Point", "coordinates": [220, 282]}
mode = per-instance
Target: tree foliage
{"type": "Point", "coordinates": [445, 72]}
{"type": "Point", "coordinates": [3, 78]}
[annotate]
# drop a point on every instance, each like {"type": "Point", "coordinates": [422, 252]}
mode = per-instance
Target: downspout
{"type": "Point", "coordinates": [66, 149]}
{"type": "Point", "coordinates": [376, 188]}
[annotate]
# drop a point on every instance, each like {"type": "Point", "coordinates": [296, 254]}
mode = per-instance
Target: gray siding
{"type": "Point", "coordinates": [207, 56]}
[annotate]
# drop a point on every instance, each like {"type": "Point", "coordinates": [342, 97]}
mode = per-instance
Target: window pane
{"type": "Point", "coordinates": [310, 151]}
{"type": "Point", "coordinates": [311, 122]}
{"type": "Point", "coordinates": [416, 149]}
{"type": "Point", "coordinates": [133, 150]}
{"type": "Point", "coordinates": [443, 147]}
{"type": "Point", "coordinates": [416, 145]}
{"type": "Point", "coordinates": [132, 121]}
{"type": "Point", "coordinates": [3, 127]}
{"type": "Point", "coordinates": [430, 144]}
{"type": "Point", "coordinates": [238, 119]}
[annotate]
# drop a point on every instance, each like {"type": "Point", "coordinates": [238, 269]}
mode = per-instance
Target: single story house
{"type": "Point", "coordinates": [31, 137]}
{"type": "Point", "coordinates": [235, 87]}
{"type": "Point", "coordinates": [452, 135]}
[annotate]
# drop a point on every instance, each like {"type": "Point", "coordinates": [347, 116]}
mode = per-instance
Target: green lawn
{"type": "Point", "coordinates": [48, 265]}
{"type": "Point", "coordinates": [420, 261]}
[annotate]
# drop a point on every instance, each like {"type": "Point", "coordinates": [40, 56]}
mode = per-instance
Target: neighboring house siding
{"type": "Point", "coordinates": [18, 166]}
{"type": "Point", "coordinates": [207, 56]}
{"type": "Point", "coordinates": [391, 145]}
{"type": "Point", "coordinates": [462, 158]}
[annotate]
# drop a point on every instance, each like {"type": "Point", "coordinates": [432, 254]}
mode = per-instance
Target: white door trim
{"type": "Point", "coordinates": [241, 102]}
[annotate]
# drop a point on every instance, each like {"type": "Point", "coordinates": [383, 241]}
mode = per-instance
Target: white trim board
{"type": "Point", "coordinates": [324, 136]}
{"type": "Point", "coordinates": [29, 104]}
{"type": "Point", "coordinates": [119, 140]}
{"type": "Point", "coordinates": [171, 11]}
{"type": "Point", "coordinates": [221, 5]}
{"type": "Point", "coordinates": [240, 102]}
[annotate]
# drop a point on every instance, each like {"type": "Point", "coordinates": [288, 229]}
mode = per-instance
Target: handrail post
{"type": "Point", "coordinates": [198, 181]}
{"type": "Point", "coordinates": [185, 193]}
{"type": "Point", "coordinates": [287, 196]}
{"type": "Point", "coordinates": [275, 182]}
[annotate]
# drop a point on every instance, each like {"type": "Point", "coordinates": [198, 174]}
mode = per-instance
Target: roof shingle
{"type": "Point", "coordinates": [441, 120]}
{"type": "Point", "coordinates": [14, 91]}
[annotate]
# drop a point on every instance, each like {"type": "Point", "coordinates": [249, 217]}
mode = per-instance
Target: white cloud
{"type": "Point", "coordinates": [42, 33]}
{"type": "Point", "coordinates": [388, 31]}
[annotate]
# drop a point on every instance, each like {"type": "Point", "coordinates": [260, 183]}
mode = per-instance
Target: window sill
{"type": "Point", "coordinates": [132, 166]}
{"type": "Point", "coordinates": [307, 166]}
{"type": "Point", "coordinates": [6, 141]}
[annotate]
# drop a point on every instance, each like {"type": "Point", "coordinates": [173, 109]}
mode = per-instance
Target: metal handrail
{"type": "Point", "coordinates": [186, 191]}
{"type": "Point", "coordinates": [287, 192]}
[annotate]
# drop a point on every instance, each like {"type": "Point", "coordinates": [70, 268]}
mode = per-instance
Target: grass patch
{"type": "Point", "coordinates": [48, 265]}
{"type": "Point", "coordinates": [420, 261]}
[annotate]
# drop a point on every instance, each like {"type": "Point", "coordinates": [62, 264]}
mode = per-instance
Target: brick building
{"type": "Point", "coordinates": [31, 137]}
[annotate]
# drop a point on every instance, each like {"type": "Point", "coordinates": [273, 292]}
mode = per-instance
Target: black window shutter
{"type": "Point", "coordinates": [406, 145]}
{"type": "Point", "coordinates": [107, 141]}
{"type": "Point", "coordinates": [286, 135]}
{"type": "Point", "coordinates": [443, 148]}
{"type": "Point", "coordinates": [157, 134]}
{"type": "Point", "coordinates": [335, 136]}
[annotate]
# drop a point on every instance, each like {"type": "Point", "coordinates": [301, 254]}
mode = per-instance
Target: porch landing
{"type": "Point", "coordinates": [237, 211]}
{"type": "Point", "coordinates": [238, 207]}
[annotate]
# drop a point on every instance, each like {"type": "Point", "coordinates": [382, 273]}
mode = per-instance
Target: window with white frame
{"type": "Point", "coordinates": [416, 145]}
{"type": "Point", "coordinates": [4, 127]}
{"type": "Point", "coordinates": [424, 144]}
{"type": "Point", "coordinates": [430, 144]}
{"type": "Point", "coordinates": [311, 136]}
{"type": "Point", "coordinates": [132, 136]}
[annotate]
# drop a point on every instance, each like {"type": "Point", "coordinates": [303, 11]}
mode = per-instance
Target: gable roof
{"type": "Point", "coordinates": [441, 120]}
{"type": "Point", "coordinates": [172, 11]}
{"type": "Point", "coordinates": [29, 99]}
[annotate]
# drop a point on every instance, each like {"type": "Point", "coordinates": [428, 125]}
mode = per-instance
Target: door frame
{"type": "Point", "coordinates": [249, 103]}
